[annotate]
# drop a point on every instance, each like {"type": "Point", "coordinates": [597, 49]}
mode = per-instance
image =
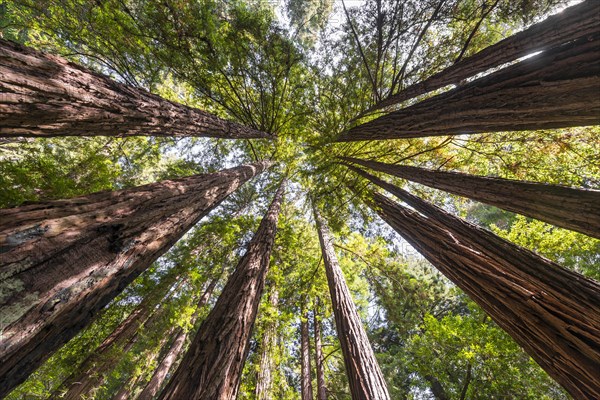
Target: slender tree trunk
{"type": "Point", "coordinates": [364, 376]}
{"type": "Point", "coordinates": [321, 388]}
{"type": "Point", "coordinates": [306, 378]}
{"type": "Point", "coordinates": [553, 313]}
{"type": "Point", "coordinates": [212, 367]}
{"type": "Point", "coordinates": [63, 261]}
{"type": "Point", "coordinates": [264, 379]}
{"type": "Point", "coordinates": [91, 372]}
{"type": "Point", "coordinates": [567, 207]}
{"type": "Point", "coordinates": [159, 375]}
{"type": "Point", "coordinates": [45, 95]}
{"type": "Point", "coordinates": [574, 22]}
{"type": "Point", "coordinates": [556, 89]}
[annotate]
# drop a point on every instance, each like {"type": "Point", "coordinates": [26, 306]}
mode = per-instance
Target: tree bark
{"type": "Point", "coordinates": [264, 379]}
{"type": "Point", "coordinates": [574, 22]}
{"type": "Point", "coordinates": [567, 207]}
{"type": "Point", "coordinates": [45, 95]}
{"type": "Point", "coordinates": [63, 261]}
{"type": "Point", "coordinates": [90, 373]}
{"type": "Point", "coordinates": [306, 378]}
{"type": "Point", "coordinates": [212, 367]}
{"type": "Point", "coordinates": [556, 89]}
{"type": "Point", "coordinates": [321, 388]}
{"type": "Point", "coordinates": [364, 375]}
{"type": "Point", "coordinates": [553, 313]}
{"type": "Point", "coordinates": [159, 375]}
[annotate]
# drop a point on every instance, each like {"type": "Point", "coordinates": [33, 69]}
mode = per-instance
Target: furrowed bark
{"type": "Point", "coordinates": [571, 208]}
{"type": "Point", "coordinates": [321, 388]}
{"type": "Point", "coordinates": [264, 379]}
{"type": "Point", "coordinates": [212, 367]}
{"type": "Point", "coordinates": [90, 374]}
{"type": "Point", "coordinates": [63, 261]}
{"type": "Point", "coordinates": [556, 89]}
{"type": "Point", "coordinates": [159, 375]}
{"type": "Point", "coordinates": [364, 375]}
{"type": "Point", "coordinates": [572, 23]}
{"type": "Point", "coordinates": [553, 313]}
{"type": "Point", "coordinates": [46, 95]}
{"type": "Point", "coordinates": [306, 379]}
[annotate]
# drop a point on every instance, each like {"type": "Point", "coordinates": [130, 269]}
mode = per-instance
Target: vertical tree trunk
{"type": "Point", "coordinates": [212, 367]}
{"type": "Point", "coordinates": [62, 261]}
{"type": "Point", "coordinates": [321, 388]}
{"type": "Point", "coordinates": [306, 378]}
{"type": "Point", "coordinates": [567, 207]}
{"type": "Point", "coordinates": [364, 376]}
{"type": "Point", "coordinates": [556, 89]}
{"type": "Point", "coordinates": [159, 375]}
{"type": "Point", "coordinates": [264, 379]}
{"type": "Point", "coordinates": [553, 313]}
{"type": "Point", "coordinates": [45, 95]}
{"type": "Point", "coordinates": [574, 22]}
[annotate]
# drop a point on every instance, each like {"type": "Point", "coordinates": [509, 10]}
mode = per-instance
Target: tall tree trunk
{"type": "Point", "coordinates": [364, 376]}
{"type": "Point", "coordinates": [212, 367]}
{"type": "Point", "coordinates": [574, 22]}
{"type": "Point", "coordinates": [264, 379]}
{"type": "Point", "coordinates": [45, 95]}
{"type": "Point", "coordinates": [90, 373]}
{"type": "Point", "coordinates": [159, 375]}
{"type": "Point", "coordinates": [63, 261]}
{"type": "Point", "coordinates": [567, 207]}
{"type": "Point", "coordinates": [305, 376]}
{"type": "Point", "coordinates": [321, 388]}
{"type": "Point", "coordinates": [553, 313]}
{"type": "Point", "coordinates": [556, 89]}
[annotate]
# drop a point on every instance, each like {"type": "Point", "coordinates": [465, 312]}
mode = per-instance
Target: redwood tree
{"type": "Point", "coordinates": [46, 95]}
{"type": "Point", "coordinates": [321, 388]}
{"type": "Point", "coordinates": [572, 23]}
{"type": "Point", "coordinates": [556, 89]}
{"type": "Point", "coordinates": [553, 313]}
{"type": "Point", "coordinates": [264, 378]}
{"type": "Point", "coordinates": [571, 208]}
{"type": "Point", "coordinates": [212, 367]}
{"type": "Point", "coordinates": [364, 375]}
{"type": "Point", "coordinates": [305, 373]}
{"type": "Point", "coordinates": [64, 260]}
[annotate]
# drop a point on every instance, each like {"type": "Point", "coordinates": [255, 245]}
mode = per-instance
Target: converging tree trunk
{"type": "Point", "coordinates": [45, 95]}
{"type": "Point", "coordinates": [321, 388]}
{"type": "Point", "coordinates": [62, 261]}
{"type": "Point", "coordinates": [159, 375]}
{"type": "Point", "coordinates": [574, 22]}
{"type": "Point", "coordinates": [305, 376]}
{"type": "Point", "coordinates": [364, 375]}
{"type": "Point", "coordinates": [212, 367]}
{"type": "Point", "coordinates": [553, 313]}
{"type": "Point", "coordinates": [264, 378]}
{"type": "Point", "coordinates": [567, 207]}
{"type": "Point", "coordinates": [90, 373]}
{"type": "Point", "coordinates": [556, 89]}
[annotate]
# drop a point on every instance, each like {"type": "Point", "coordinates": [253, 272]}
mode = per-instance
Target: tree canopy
{"type": "Point", "coordinates": [304, 72]}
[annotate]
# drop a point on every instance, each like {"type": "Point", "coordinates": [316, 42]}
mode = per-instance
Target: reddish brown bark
{"type": "Point", "coordinates": [556, 89]}
{"type": "Point", "coordinates": [90, 373]}
{"type": "Point", "coordinates": [574, 22]}
{"type": "Point", "coordinates": [306, 389]}
{"type": "Point", "coordinates": [553, 313]}
{"type": "Point", "coordinates": [159, 375]}
{"type": "Point", "coordinates": [62, 261]}
{"type": "Point", "coordinates": [264, 378]}
{"type": "Point", "coordinates": [321, 388]}
{"type": "Point", "coordinates": [45, 95]}
{"type": "Point", "coordinates": [364, 375]}
{"type": "Point", "coordinates": [212, 367]}
{"type": "Point", "coordinates": [571, 208]}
